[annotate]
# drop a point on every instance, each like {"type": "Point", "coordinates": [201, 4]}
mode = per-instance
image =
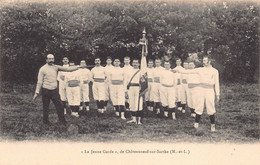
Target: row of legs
{"type": "Point", "coordinates": [170, 112]}
{"type": "Point", "coordinates": [136, 116]}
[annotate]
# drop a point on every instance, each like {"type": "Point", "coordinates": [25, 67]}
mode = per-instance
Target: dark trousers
{"type": "Point", "coordinates": [53, 95]}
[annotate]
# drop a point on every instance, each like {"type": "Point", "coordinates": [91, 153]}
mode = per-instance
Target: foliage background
{"type": "Point", "coordinates": [226, 30]}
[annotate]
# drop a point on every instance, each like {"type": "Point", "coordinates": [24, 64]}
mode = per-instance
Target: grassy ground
{"type": "Point", "coordinates": [237, 121]}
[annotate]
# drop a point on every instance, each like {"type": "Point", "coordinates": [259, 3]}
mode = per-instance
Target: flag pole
{"type": "Point", "coordinates": [143, 42]}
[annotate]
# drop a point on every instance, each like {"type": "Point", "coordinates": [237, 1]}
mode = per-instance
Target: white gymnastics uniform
{"type": "Point", "coordinates": [107, 71]}
{"type": "Point", "coordinates": [148, 94]}
{"type": "Point", "coordinates": [62, 84]}
{"type": "Point", "coordinates": [134, 90]}
{"type": "Point", "coordinates": [117, 86]}
{"type": "Point", "coordinates": [185, 95]}
{"type": "Point", "coordinates": [73, 88]}
{"type": "Point", "coordinates": [194, 90]}
{"type": "Point", "coordinates": [156, 83]}
{"type": "Point", "coordinates": [127, 70]}
{"type": "Point", "coordinates": [167, 90]}
{"type": "Point", "coordinates": [209, 87]}
{"type": "Point", "coordinates": [99, 77]}
{"type": "Point", "coordinates": [178, 81]}
{"type": "Point", "coordinates": [84, 76]}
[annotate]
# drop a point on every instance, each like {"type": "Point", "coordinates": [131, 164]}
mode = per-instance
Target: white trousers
{"type": "Point", "coordinates": [167, 96]}
{"type": "Point", "coordinates": [62, 92]}
{"type": "Point", "coordinates": [98, 89]}
{"type": "Point", "coordinates": [133, 95]}
{"type": "Point", "coordinates": [107, 91]}
{"type": "Point", "coordinates": [156, 92]}
{"type": "Point", "coordinates": [204, 96]}
{"type": "Point", "coordinates": [185, 94]}
{"type": "Point", "coordinates": [190, 97]}
{"type": "Point", "coordinates": [117, 94]}
{"type": "Point", "coordinates": [73, 95]}
{"type": "Point", "coordinates": [178, 91]}
{"type": "Point", "coordinates": [84, 90]}
{"type": "Point", "coordinates": [148, 94]}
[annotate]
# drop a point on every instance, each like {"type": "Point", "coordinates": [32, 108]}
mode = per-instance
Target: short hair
{"type": "Point", "coordinates": [209, 57]}
{"type": "Point", "coordinates": [150, 60]}
{"type": "Point", "coordinates": [116, 59]}
{"type": "Point", "coordinates": [83, 61]}
{"type": "Point", "coordinates": [72, 62]}
{"type": "Point", "coordinates": [108, 57]}
{"type": "Point", "coordinates": [186, 61]}
{"type": "Point", "coordinates": [49, 55]}
{"type": "Point", "coordinates": [158, 59]}
{"type": "Point", "coordinates": [166, 61]}
{"type": "Point", "coordinates": [127, 57]}
{"type": "Point", "coordinates": [178, 59]}
{"type": "Point", "coordinates": [97, 58]}
{"type": "Point", "coordinates": [136, 59]}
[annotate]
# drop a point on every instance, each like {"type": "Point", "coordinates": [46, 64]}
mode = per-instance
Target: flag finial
{"type": "Point", "coordinates": [144, 32]}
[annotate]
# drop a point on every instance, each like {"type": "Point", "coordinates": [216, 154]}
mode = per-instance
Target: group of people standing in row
{"type": "Point", "coordinates": [168, 89]}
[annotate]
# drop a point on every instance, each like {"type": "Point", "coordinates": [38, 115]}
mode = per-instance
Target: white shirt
{"type": "Point", "coordinates": [150, 73]}
{"type": "Point", "coordinates": [136, 78]}
{"type": "Point", "coordinates": [116, 73]}
{"type": "Point", "coordinates": [127, 70]}
{"type": "Point", "coordinates": [193, 78]}
{"type": "Point", "coordinates": [61, 77]}
{"type": "Point", "coordinates": [167, 77]}
{"type": "Point", "coordinates": [84, 75]}
{"type": "Point", "coordinates": [157, 72]}
{"type": "Point", "coordinates": [209, 75]}
{"type": "Point", "coordinates": [178, 75]}
{"type": "Point", "coordinates": [184, 78]}
{"type": "Point", "coordinates": [108, 69]}
{"type": "Point", "coordinates": [98, 72]}
{"type": "Point", "coordinates": [72, 76]}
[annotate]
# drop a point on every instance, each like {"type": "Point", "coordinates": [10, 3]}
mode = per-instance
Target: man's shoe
{"type": "Point", "coordinates": [75, 114]}
{"type": "Point", "coordinates": [196, 125]}
{"type": "Point", "coordinates": [123, 115]}
{"type": "Point", "coordinates": [213, 127]}
{"type": "Point", "coordinates": [193, 115]}
{"type": "Point", "coordinates": [173, 116]}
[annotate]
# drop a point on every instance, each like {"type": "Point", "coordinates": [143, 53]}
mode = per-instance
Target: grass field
{"type": "Point", "coordinates": [237, 120]}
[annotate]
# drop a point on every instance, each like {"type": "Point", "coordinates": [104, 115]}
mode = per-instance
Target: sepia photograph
{"type": "Point", "coordinates": [129, 82]}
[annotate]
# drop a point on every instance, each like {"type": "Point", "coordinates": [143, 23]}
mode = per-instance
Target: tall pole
{"type": "Point", "coordinates": [144, 42]}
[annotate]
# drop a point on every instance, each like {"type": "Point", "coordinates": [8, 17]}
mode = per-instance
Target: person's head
{"type": "Point", "coordinates": [178, 61]}
{"type": "Point", "coordinates": [72, 63]}
{"type": "Point", "coordinates": [191, 65]}
{"type": "Point", "coordinates": [117, 62]}
{"type": "Point", "coordinates": [109, 60]}
{"type": "Point", "coordinates": [135, 63]}
{"type": "Point", "coordinates": [150, 63]}
{"type": "Point", "coordinates": [186, 65]}
{"type": "Point", "coordinates": [83, 63]}
{"type": "Point", "coordinates": [50, 59]}
{"type": "Point", "coordinates": [65, 61]}
{"type": "Point", "coordinates": [127, 60]}
{"type": "Point", "coordinates": [167, 65]}
{"type": "Point", "coordinates": [158, 62]}
{"type": "Point", "coordinates": [206, 61]}
{"type": "Point", "coordinates": [97, 61]}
